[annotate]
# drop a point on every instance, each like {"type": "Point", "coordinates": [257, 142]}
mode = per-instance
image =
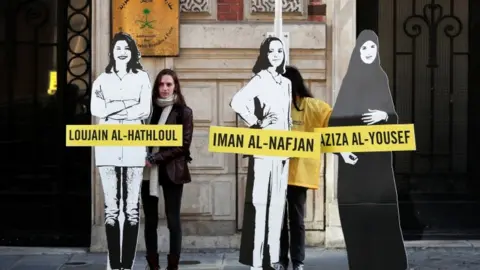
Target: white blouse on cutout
{"type": "Point", "coordinates": [133, 92]}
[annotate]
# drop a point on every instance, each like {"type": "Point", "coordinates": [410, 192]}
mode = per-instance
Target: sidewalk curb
{"type": "Point", "coordinates": [40, 251]}
{"type": "Point", "coordinates": [5, 250]}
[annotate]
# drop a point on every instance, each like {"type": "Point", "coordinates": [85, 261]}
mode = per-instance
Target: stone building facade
{"type": "Point", "coordinates": [219, 42]}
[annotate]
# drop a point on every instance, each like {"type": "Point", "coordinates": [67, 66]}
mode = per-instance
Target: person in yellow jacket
{"type": "Point", "coordinates": [307, 113]}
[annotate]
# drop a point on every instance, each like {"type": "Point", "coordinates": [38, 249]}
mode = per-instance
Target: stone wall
{"type": "Point", "coordinates": [257, 10]}
{"type": "Point", "coordinates": [215, 61]}
{"type": "Point", "coordinates": [341, 33]}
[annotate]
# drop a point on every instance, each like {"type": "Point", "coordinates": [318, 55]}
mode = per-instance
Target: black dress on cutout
{"type": "Point", "coordinates": [367, 195]}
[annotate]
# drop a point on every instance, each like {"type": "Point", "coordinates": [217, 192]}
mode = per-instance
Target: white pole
{"type": "Point", "coordinates": [278, 28]}
{"type": "Point", "coordinates": [277, 23]}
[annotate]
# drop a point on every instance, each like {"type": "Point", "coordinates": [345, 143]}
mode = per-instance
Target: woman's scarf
{"type": "Point", "coordinates": [166, 104]}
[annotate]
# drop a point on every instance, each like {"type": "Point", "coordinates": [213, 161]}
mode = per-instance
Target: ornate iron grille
{"type": "Point", "coordinates": [432, 21]}
{"type": "Point", "coordinates": [44, 187]}
{"type": "Point", "coordinates": [424, 46]}
{"type": "Point", "coordinates": [426, 49]}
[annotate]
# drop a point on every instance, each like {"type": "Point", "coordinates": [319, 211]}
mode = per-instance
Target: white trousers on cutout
{"type": "Point", "coordinates": [268, 172]}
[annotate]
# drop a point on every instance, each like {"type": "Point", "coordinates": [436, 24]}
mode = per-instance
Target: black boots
{"type": "Point", "coordinates": [152, 260]}
{"type": "Point", "coordinates": [172, 262]}
{"type": "Point", "coordinates": [130, 224]}
{"type": "Point", "coordinates": [113, 242]}
{"type": "Point", "coordinates": [129, 245]}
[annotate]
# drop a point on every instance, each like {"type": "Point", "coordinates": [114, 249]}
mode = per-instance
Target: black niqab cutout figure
{"type": "Point", "coordinates": [367, 195]}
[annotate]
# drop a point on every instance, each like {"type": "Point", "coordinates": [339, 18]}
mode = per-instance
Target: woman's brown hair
{"type": "Point", "coordinates": [177, 90]}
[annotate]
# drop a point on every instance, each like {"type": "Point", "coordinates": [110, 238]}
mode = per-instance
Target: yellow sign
{"type": "Point", "coordinates": [124, 135]}
{"type": "Point", "coordinates": [154, 24]}
{"type": "Point", "coordinates": [52, 83]}
{"type": "Point", "coordinates": [375, 138]}
{"type": "Point", "coordinates": [264, 142]}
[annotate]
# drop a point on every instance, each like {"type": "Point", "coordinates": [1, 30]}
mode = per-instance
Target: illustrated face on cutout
{"type": "Point", "coordinates": [368, 52]}
{"type": "Point", "coordinates": [122, 52]}
{"type": "Point", "coordinates": [275, 53]}
{"type": "Point", "coordinates": [166, 86]}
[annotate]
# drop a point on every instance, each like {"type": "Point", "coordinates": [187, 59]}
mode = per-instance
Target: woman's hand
{"type": "Point", "coordinates": [149, 160]}
{"type": "Point", "coordinates": [374, 116]}
{"type": "Point", "coordinates": [349, 158]}
{"type": "Point", "coordinates": [99, 94]}
{"type": "Point", "coordinates": [268, 120]}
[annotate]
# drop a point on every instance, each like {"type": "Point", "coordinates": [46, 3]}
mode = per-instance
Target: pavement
{"type": "Point", "coordinates": [424, 258]}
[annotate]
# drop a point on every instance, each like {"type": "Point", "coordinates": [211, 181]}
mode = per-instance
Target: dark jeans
{"type": "Point", "coordinates": [172, 193]}
{"type": "Point", "coordinates": [293, 218]}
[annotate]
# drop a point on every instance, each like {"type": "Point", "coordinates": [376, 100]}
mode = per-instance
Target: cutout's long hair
{"type": "Point", "coordinates": [262, 62]}
{"type": "Point", "coordinates": [177, 90]}
{"type": "Point", "coordinates": [134, 63]}
{"type": "Point", "coordinates": [299, 89]}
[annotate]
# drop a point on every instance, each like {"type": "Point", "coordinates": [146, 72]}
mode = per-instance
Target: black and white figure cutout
{"type": "Point", "coordinates": [121, 95]}
{"type": "Point", "coordinates": [367, 194]}
{"type": "Point", "coordinates": [264, 103]}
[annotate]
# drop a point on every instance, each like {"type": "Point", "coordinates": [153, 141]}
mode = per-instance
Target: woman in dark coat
{"type": "Point", "coordinates": [168, 167]}
{"type": "Point", "coordinates": [367, 195]}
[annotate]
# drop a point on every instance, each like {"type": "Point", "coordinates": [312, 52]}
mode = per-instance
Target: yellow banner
{"type": "Point", "coordinates": [264, 142]}
{"type": "Point", "coordinates": [375, 138]}
{"type": "Point", "coordinates": [154, 24]}
{"type": "Point", "coordinates": [124, 135]}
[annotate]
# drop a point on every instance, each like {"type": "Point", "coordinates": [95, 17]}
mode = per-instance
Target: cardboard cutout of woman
{"type": "Point", "coordinates": [121, 95]}
{"type": "Point", "coordinates": [367, 194]}
{"type": "Point", "coordinates": [264, 102]}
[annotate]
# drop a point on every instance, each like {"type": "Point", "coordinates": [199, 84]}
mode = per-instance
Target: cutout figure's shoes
{"type": "Point", "coordinates": [153, 261]}
{"type": "Point", "coordinates": [173, 261]}
{"type": "Point", "coordinates": [258, 258]}
{"type": "Point", "coordinates": [113, 243]}
{"type": "Point", "coordinates": [298, 267]}
{"type": "Point", "coordinates": [279, 266]}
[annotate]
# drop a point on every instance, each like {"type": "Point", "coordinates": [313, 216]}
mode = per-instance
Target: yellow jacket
{"type": "Point", "coordinates": [305, 172]}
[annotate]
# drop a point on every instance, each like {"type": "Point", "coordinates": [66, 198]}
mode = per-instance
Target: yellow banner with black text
{"type": "Point", "coordinates": [124, 135]}
{"type": "Point", "coordinates": [264, 142]}
{"type": "Point", "coordinates": [375, 138]}
{"type": "Point", "coordinates": [378, 138]}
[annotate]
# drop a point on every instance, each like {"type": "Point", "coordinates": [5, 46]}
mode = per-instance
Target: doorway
{"type": "Point", "coordinates": [45, 187]}
{"type": "Point", "coordinates": [427, 48]}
